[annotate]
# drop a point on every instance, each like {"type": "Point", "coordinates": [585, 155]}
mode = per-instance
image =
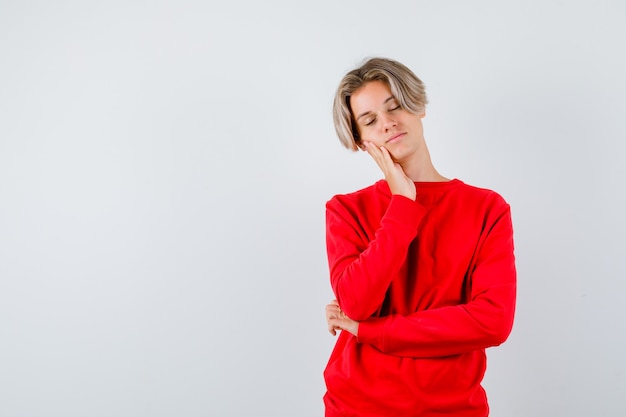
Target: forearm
{"type": "Point", "coordinates": [483, 317]}
{"type": "Point", "coordinates": [361, 271]}
{"type": "Point", "coordinates": [444, 331]}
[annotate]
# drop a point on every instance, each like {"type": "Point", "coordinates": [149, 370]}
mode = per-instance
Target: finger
{"type": "Point", "coordinates": [383, 158]}
{"type": "Point", "coordinates": [385, 154]}
{"type": "Point", "coordinates": [333, 306]}
{"type": "Point", "coordinates": [332, 312]}
{"type": "Point", "coordinates": [334, 316]}
{"type": "Point", "coordinates": [372, 149]}
{"type": "Point", "coordinates": [376, 155]}
{"type": "Point", "coordinates": [334, 325]}
{"type": "Point", "coordinates": [386, 158]}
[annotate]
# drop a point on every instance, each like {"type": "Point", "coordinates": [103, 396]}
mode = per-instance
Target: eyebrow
{"type": "Point", "coordinates": [368, 112]}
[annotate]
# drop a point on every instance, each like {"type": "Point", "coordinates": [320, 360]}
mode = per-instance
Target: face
{"type": "Point", "coordinates": [381, 120]}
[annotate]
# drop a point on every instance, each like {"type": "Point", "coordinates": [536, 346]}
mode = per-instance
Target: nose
{"type": "Point", "coordinates": [388, 122]}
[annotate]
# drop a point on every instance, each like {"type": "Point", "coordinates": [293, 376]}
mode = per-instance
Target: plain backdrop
{"type": "Point", "coordinates": [164, 167]}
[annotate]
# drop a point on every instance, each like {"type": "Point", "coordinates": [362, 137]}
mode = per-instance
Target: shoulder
{"type": "Point", "coordinates": [479, 201]}
{"type": "Point", "coordinates": [480, 193]}
{"type": "Point", "coordinates": [376, 191]}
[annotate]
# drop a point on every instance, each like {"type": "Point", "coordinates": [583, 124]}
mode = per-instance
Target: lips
{"type": "Point", "coordinates": [395, 137]}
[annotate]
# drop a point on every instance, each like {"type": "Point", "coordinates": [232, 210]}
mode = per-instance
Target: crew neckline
{"type": "Point", "coordinates": [382, 185]}
{"type": "Point", "coordinates": [436, 183]}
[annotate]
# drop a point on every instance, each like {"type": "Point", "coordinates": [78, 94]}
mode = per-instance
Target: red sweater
{"type": "Point", "coordinates": [432, 283]}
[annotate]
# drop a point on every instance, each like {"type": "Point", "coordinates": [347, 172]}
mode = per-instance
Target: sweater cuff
{"type": "Point", "coordinates": [403, 210]}
{"type": "Point", "coordinates": [371, 331]}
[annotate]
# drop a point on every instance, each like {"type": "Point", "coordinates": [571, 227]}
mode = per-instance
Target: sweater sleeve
{"type": "Point", "coordinates": [485, 320]}
{"type": "Point", "coordinates": [361, 270]}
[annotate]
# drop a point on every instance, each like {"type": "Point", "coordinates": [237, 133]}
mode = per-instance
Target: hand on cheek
{"type": "Point", "coordinates": [397, 180]}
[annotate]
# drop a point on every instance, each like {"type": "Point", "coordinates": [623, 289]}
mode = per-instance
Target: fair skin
{"type": "Point", "coordinates": [394, 138]}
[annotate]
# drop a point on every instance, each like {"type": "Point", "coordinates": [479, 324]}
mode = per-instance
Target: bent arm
{"type": "Point", "coordinates": [484, 321]}
{"type": "Point", "coordinates": [361, 271]}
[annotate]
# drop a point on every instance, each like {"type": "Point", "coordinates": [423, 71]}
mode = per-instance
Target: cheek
{"type": "Point", "coordinates": [369, 134]}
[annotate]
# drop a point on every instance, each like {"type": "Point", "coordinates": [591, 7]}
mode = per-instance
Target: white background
{"type": "Point", "coordinates": [163, 172]}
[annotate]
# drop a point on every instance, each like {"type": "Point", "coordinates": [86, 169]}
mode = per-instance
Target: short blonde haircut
{"type": "Point", "coordinates": [403, 83]}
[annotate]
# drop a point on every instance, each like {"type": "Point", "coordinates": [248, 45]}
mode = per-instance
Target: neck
{"type": "Point", "coordinates": [421, 169]}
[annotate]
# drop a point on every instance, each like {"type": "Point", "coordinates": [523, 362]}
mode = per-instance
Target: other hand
{"type": "Point", "coordinates": [337, 320]}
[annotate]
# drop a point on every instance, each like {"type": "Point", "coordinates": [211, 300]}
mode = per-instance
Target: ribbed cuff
{"type": "Point", "coordinates": [372, 331]}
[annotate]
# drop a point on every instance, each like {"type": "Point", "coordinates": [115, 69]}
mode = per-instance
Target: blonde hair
{"type": "Point", "coordinates": [403, 83]}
